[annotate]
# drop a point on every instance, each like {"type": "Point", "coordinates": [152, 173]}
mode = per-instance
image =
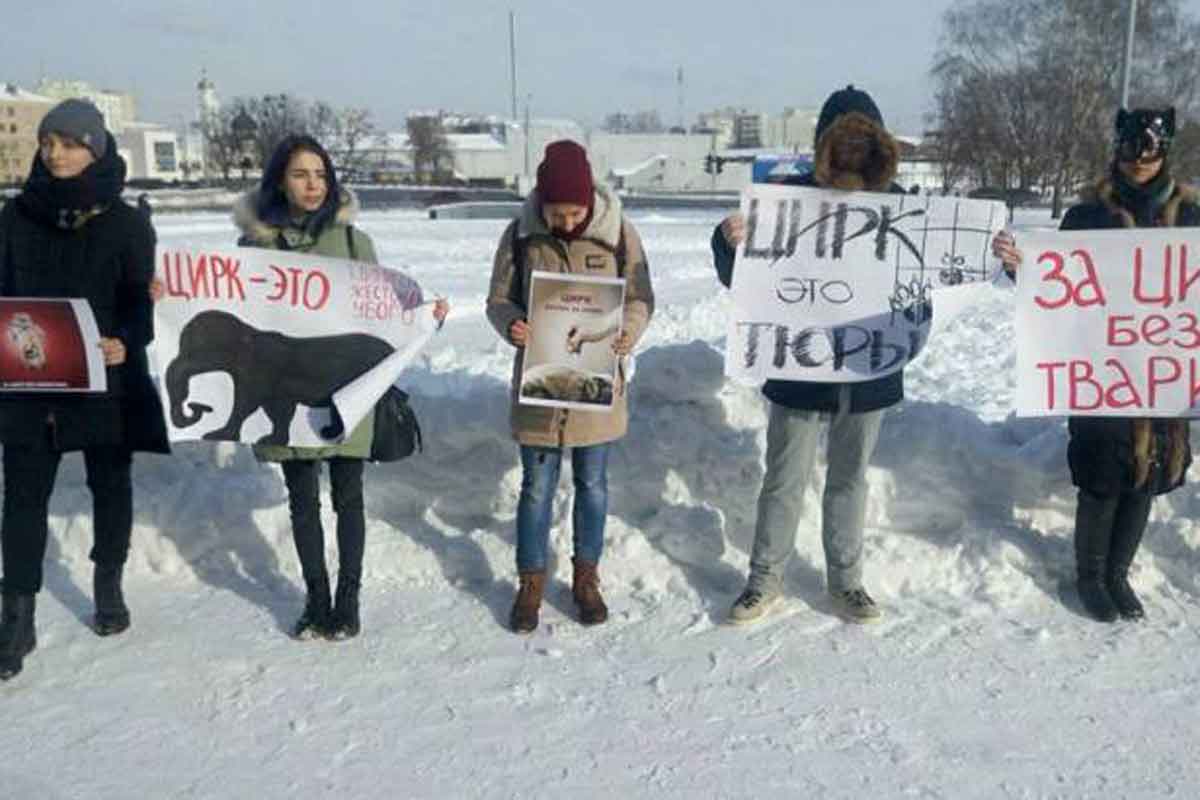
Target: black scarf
{"type": "Point", "coordinates": [68, 203]}
{"type": "Point", "coordinates": [1144, 201]}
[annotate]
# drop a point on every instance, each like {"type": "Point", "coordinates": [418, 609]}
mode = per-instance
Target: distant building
{"type": "Point", "coordinates": [118, 108]}
{"type": "Point", "coordinates": [20, 114]}
{"type": "Point", "coordinates": [151, 152]}
{"type": "Point", "coordinates": [793, 130]}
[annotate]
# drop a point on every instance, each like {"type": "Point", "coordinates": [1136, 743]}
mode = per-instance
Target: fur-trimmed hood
{"type": "Point", "coordinates": [245, 215]}
{"type": "Point", "coordinates": [1104, 192]}
{"type": "Point", "coordinates": [604, 227]}
{"type": "Point", "coordinates": [880, 169]}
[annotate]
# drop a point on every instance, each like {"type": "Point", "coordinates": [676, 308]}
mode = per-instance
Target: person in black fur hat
{"type": "Point", "coordinates": [1120, 464]}
{"type": "Point", "coordinates": [852, 151]}
{"type": "Point", "coordinates": [68, 234]}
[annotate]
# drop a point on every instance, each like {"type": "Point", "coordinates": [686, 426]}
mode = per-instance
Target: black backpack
{"type": "Point", "coordinates": [397, 433]}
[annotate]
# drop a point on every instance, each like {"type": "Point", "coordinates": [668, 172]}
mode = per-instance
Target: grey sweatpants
{"type": "Point", "coordinates": [792, 438]}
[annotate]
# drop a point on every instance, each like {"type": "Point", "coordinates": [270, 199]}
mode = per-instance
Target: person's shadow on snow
{"type": "Point", "coordinates": [437, 498]}
{"type": "Point", "coordinates": [962, 487]}
{"type": "Point", "coordinates": [203, 500]}
{"type": "Point", "coordinates": [684, 475]}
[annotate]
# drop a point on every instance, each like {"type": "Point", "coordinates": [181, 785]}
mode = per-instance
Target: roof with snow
{"type": "Point", "coordinates": [10, 91]}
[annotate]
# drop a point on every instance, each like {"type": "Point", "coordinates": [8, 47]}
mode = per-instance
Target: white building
{"type": "Point", "coordinates": [151, 152]}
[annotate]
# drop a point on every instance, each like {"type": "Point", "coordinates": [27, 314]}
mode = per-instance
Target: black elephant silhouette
{"type": "Point", "coordinates": [270, 371]}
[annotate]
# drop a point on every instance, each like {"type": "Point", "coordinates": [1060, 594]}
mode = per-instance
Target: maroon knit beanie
{"type": "Point", "coordinates": [565, 176]}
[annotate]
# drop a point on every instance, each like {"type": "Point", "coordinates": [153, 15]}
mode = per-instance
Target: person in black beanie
{"type": "Point", "coordinates": [852, 151]}
{"type": "Point", "coordinates": [1120, 464]}
{"type": "Point", "coordinates": [68, 234]}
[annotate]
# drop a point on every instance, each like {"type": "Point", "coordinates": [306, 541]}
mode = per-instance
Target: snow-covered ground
{"type": "Point", "coordinates": [983, 680]}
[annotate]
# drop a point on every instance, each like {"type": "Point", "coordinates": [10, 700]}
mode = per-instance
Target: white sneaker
{"type": "Point", "coordinates": [753, 604]}
{"type": "Point", "coordinates": [855, 605]}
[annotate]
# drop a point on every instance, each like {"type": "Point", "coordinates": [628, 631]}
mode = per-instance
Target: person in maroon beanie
{"type": "Point", "coordinates": [569, 224]}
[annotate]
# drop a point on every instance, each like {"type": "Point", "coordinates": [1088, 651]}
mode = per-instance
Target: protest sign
{"type": "Point", "coordinates": [1108, 323]}
{"type": "Point", "coordinates": [279, 347]}
{"type": "Point", "coordinates": [50, 345]}
{"type": "Point", "coordinates": [573, 321]}
{"type": "Point", "coordinates": [834, 286]}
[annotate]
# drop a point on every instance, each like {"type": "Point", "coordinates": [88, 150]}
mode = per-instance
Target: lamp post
{"type": "Point", "coordinates": [1127, 63]}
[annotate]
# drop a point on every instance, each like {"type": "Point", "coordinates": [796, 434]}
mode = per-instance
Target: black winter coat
{"type": "Point", "coordinates": [109, 261]}
{"type": "Point", "coordinates": [806, 395]}
{"type": "Point", "coordinates": [1110, 455]}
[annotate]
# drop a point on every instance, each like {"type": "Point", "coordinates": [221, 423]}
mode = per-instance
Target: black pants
{"type": "Point", "coordinates": [29, 474]}
{"type": "Point", "coordinates": [303, 480]}
{"type": "Point", "coordinates": [1110, 528]}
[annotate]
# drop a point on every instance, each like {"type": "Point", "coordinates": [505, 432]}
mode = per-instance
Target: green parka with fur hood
{"type": "Point", "coordinates": [331, 241]}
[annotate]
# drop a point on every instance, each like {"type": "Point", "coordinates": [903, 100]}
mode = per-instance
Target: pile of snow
{"type": "Point", "coordinates": [983, 680]}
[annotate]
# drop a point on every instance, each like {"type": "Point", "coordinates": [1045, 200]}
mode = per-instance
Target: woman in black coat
{"type": "Point", "coordinates": [69, 235]}
{"type": "Point", "coordinates": [1120, 464]}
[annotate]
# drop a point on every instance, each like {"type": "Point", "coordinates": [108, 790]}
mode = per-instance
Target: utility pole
{"type": "Point", "coordinates": [512, 58]}
{"type": "Point", "coordinates": [1127, 64]}
{"type": "Point", "coordinates": [679, 82]}
{"type": "Point", "coordinates": [528, 100]}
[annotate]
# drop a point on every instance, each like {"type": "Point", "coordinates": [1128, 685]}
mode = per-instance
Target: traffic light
{"type": "Point", "coordinates": [710, 164]}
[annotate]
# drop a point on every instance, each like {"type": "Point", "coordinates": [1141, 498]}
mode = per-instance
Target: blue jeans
{"type": "Point", "coordinates": [539, 480]}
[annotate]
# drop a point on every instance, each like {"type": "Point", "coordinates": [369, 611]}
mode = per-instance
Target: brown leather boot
{"type": "Point", "coordinates": [585, 587]}
{"type": "Point", "coordinates": [524, 616]}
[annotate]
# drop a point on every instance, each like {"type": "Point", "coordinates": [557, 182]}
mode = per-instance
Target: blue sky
{"type": "Point", "coordinates": [576, 59]}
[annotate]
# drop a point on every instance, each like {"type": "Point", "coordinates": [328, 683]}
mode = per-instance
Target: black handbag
{"type": "Point", "coordinates": [397, 434]}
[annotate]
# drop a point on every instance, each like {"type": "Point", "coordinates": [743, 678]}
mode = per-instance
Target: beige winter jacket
{"type": "Point", "coordinates": [595, 255]}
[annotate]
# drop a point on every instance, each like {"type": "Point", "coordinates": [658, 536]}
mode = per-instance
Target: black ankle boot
{"type": "Point", "coordinates": [1126, 601]}
{"type": "Point", "coordinates": [17, 636]}
{"type": "Point", "coordinates": [112, 615]}
{"type": "Point", "coordinates": [314, 622]}
{"type": "Point", "coordinates": [345, 623]}
{"type": "Point", "coordinates": [1093, 593]}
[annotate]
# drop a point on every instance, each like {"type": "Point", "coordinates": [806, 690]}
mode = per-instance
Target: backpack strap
{"type": "Point", "coordinates": [350, 248]}
{"type": "Point", "coordinates": [519, 248]}
{"type": "Point", "coordinates": [620, 252]}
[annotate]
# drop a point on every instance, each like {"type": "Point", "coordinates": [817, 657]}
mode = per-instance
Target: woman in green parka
{"type": "Point", "coordinates": [299, 206]}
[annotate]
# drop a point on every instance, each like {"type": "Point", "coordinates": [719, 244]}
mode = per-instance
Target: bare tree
{"type": "Point", "coordinates": [276, 116]}
{"type": "Point", "coordinates": [1027, 90]}
{"type": "Point", "coordinates": [432, 154]}
{"type": "Point", "coordinates": [638, 122]}
{"type": "Point", "coordinates": [354, 133]}
{"type": "Point", "coordinates": [223, 147]}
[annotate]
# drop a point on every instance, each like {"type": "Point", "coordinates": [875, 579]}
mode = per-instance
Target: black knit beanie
{"type": "Point", "coordinates": [79, 120]}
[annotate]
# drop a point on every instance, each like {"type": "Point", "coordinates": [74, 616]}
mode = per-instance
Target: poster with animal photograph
{"type": "Point", "coordinates": [569, 359]}
{"type": "Point", "coordinates": [50, 345]}
{"type": "Point", "coordinates": [278, 347]}
{"type": "Point", "coordinates": [839, 287]}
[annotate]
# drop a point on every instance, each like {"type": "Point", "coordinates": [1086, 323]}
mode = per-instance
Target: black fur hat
{"type": "Point", "coordinates": [1144, 130]}
{"type": "Point", "coordinates": [845, 101]}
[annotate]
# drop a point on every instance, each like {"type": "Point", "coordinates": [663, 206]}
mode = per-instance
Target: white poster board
{"type": "Point", "coordinates": [834, 286]}
{"type": "Point", "coordinates": [1108, 323]}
